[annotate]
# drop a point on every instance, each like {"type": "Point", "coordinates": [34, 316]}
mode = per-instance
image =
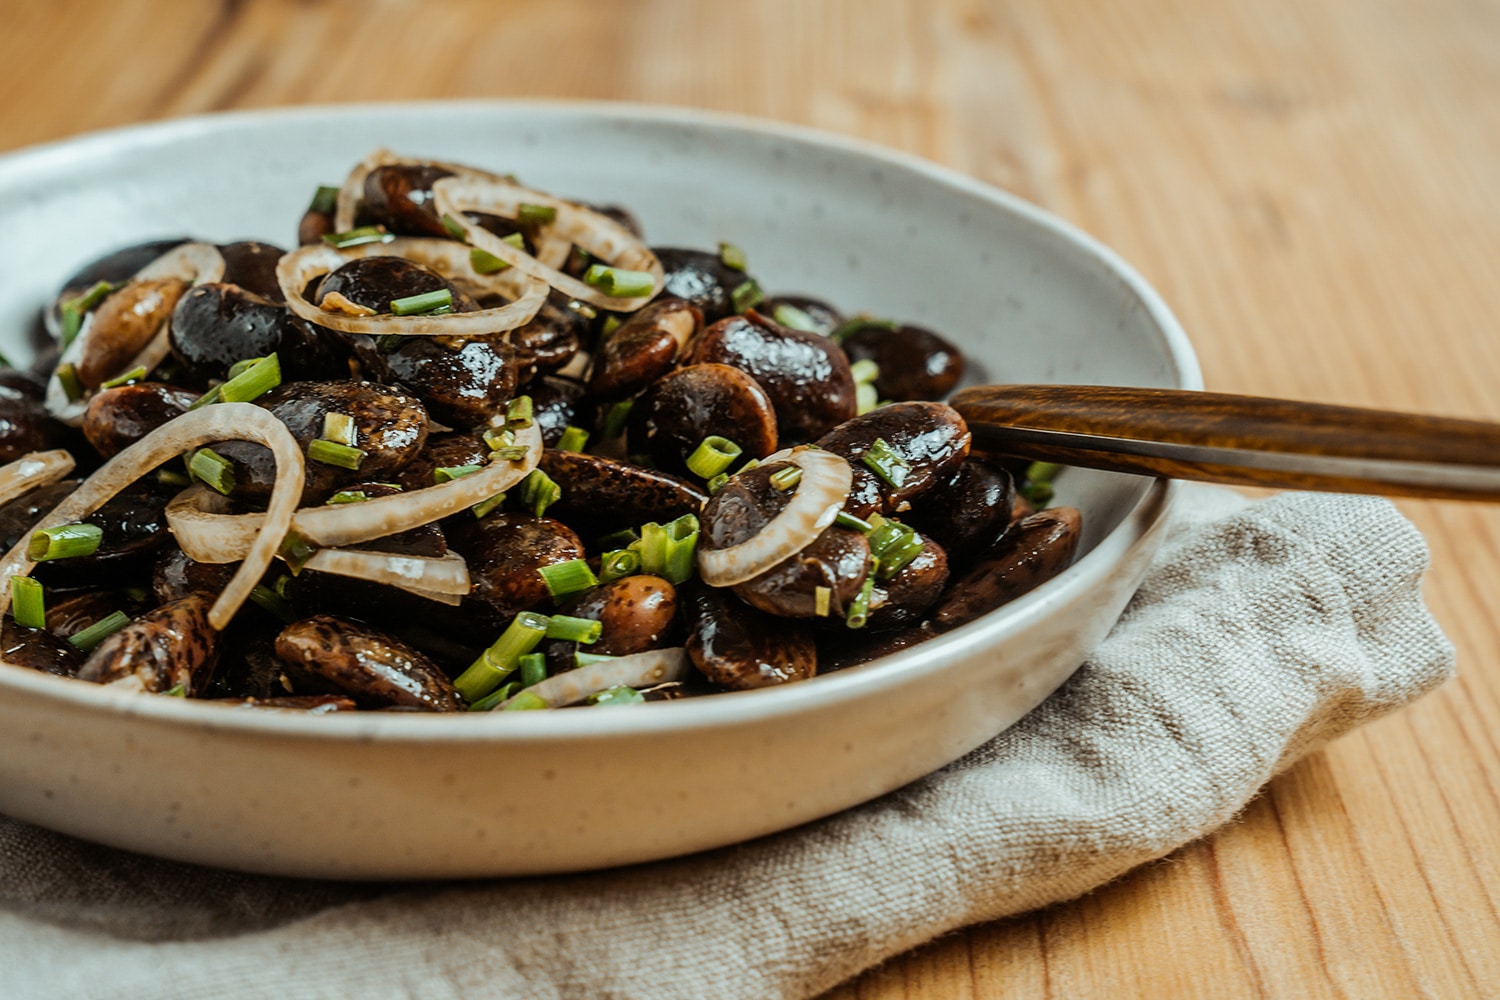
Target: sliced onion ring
{"type": "Point", "coordinates": [297, 269]}
{"type": "Point", "coordinates": [208, 535]}
{"type": "Point", "coordinates": [424, 575]}
{"type": "Point", "coordinates": [655, 666]}
{"type": "Point", "coordinates": [603, 237]}
{"type": "Point", "coordinates": [40, 468]}
{"type": "Point", "coordinates": [220, 422]}
{"type": "Point", "coordinates": [821, 494]}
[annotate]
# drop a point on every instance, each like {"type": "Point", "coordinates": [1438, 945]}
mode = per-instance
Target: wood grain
{"type": "Point", "coordinates": [1309, 185]}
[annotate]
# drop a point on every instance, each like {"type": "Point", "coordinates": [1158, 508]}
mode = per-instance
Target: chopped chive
{"type": "Point", "coordinates": [619, 282]}
{"type": "Point", "coordinates": [864, 370]}
{"type": "Point", "coordinates": [208, 398]}
{"type": "Point", "coordinates": [582, 659]}
{"type": "Point", "coordinates": [388, 342]}
{"type": "Point", "coordinates": [324, 200]}
{"type": "Point", "coordinates": [894, 545]}
{"type": "Point", "coordinates": [86, 639]}
{"type": "Point", "coordinates": [295, 550]}
{"type": "Point", "coordinates": [1038, 489]}
{"type": "Point", "coordinates": [484, 262]}
{"type": "Point", "coordinates": [67, 375]}
{"type": "Point", "coordinates": [454, 228]}
{"type": "Point", "coordinates": [614, 420]}
{"type": "Point", "coordinates": [785, 479]}
{"type": "Point", "coordinates": [519, 413]}
{"type": "Point", "coordinates": [253, 381]}
{"type": "Point", "coordinates": [273, 603]}
{"type": "Point", "coordinates": [583, 309]}
{"type": "Point", "coordinates": [584, 630]}
{"type": "Point", "coordinates": [73, 309]}
{"type": "Point", "coordinates": [533, 669]}
{"type": "Point", "coordinates": [822, 600]}
{"type": "Point", "coordinates": [496, 663]}
{"type": "Point", "coordinates": [539, 492]}
{"type": "Point", "coordinates": [358, 237]}
{"type": "Point", "coordinates": [619, 695]}
{"type": "Point", "coordinates": [495, 697]}
{"type": "Point", "coordinates": [573, 439]}
{"type": "Point", "coordinates": [497, 439]}
{"type": "Point", "coordinates": [333, 453]}
{"type": "Point", "coordinates": [426, 302]}
{"type": "Point", "coordinates": [866, 397]}
{"type": "Point", "coordinates": [66, 541]}
{"type": "Point", "coordinates": [611, 324]}
{"type": "Point", "coordinates": [619, 539]}
{"type": "Point", "coordinates": [171, 477]}
{"type": "Point", "coordinates": [28, 602]}
{"type": "Point", "coordinates": [241, 366]}
{"type": "Point", "coordinates": [717, 483]}
{"type": "Point", "coordinates": [859, 608]}
{"type": "Point", "coordinates": [136, 374]}
{"type": "Point", "coordinates": [713, 455]}
{"type": "Point", "coordinates": [746, 295]}
{"type": "Point", "coordinates": [516, 240]}
{"type": "Point", "coordinates": [850, 327]}
{"type": "Point", "coordinates": [565, 579]}
{"type": "Point", "coordinates": [282, 585]}
{"type": "Point", "coordinates": [848, 520]}
{"type": "Point", "coordinates": [883, 460]}
{"type": "Point", "coordinates": [526, 701]}
{"type": "Point", "coordinates": [210, 467]}
{"type": "Point", "coordinates": [669, 550]}
{"type": "Point", "coordinates": [510, 453]}
{"type": "Point", "coordinates": [798, 319]}
{"type": "Point", "coordinates": [536, 215]}
{"type": "Point", "coordinates": [1042, 470]}
{"type": "Point", "coordinates": [754, 463]}
{"type": "Point", "coordinates": [178, 690]}
{"type": "Point", "coordinates": [349, 496]}
{"type": "Point", "coordinates": [448, 473]}
{"type": "Point", "coordinates": [732, 256]}
{"type": "Point", "coordinates": [483, 507]}
{"type": "Point", "coordinates": [618, 563]}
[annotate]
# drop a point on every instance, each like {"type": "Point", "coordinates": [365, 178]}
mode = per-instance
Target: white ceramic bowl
{"type": "Point", "coordinates": [404, 796]}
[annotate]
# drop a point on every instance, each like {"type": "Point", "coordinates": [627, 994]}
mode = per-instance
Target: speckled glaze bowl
{"type": "Point", "coordinates": [406, 796]}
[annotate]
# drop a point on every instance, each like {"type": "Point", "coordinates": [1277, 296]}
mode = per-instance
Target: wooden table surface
{"type": "Point", "coordinates": [1311, 184]}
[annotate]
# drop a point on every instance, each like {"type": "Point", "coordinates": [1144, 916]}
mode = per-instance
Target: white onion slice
{"type": "Point", "coordinates": [352, 192]}
{"type": "Point", "coordinates": [208, 535]}
{"type": "Point", "coordinates": [821, 494]}
{"type": "Point", "coordinates": [448, 575]}
{"type": "Point", "coordinates": [40, 468]}
{"type": "Point", "coordinates": [655, 666]}
{"type": "Point", "coordinates": [449, 257]}
{"type": "Point", "coordinates": [210, 424]}
{"type": "Point", "coordinates": [603, 237]}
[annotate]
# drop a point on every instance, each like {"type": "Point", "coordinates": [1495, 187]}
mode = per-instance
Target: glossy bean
{"type": "Point", "coordinates": [324, 654]}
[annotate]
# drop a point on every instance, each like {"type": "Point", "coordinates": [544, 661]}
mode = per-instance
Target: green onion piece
{"type": "Point", "coordinates": [339, 428]}
{"type": "Point", "coordinates": [584, 630]}
{"type": "Point", "coordinates": [514, 239]}
{"type": "Point", "coordinates": [713, 455]}
{"type": "Point", "coordinates": [85, 640]}
{"type": "Point", "coordinates": [852, 326]}
{"type": "Point", "coordinates": [497, 439]}
{"type": "Point", "coordinates": [619, 282]}
{"type": "Point", "coordinates": [754, 463]}
{"type": "Point", "coordinates": [177, 690]}
{"type": "Point", "coordinates": [484, 262]}
{"type": "Point", "coordinates": [669, 550]}
{"type": "Point", "coordinates": [620, 539]}
{"type": "Point", "coordinates": [620, 695]}
{"type": "Point", "coordinates": [746, 295]}
{"type": "Point", "coordinates": [358, 237]}
{"type": "Point", "coordinates": [273, 603]}
{"type": "Point", "coordinates": [611, 324]}
{"type": "Point", "coordinates": [242, 366]}
{"type": "Point", "coordinates": [296, 549]}
{"type": "Point", "coordinates": [535, 215]}
{"type": "Point", "coordinates": [324, 200]}
{"type": "Point", "coordinates": [448, 473]}
{"type": "Point", "coordinates": [135, 374]}
{"type": "Point", "coordinates": [171, 477]}
{"type": "Point", "coordinates": [349, 496]}
{"type": "Point", "coordinates": [454, 228]}
{"type": "Point", "coordinates": [798, 319]}
{"type": "Point", "coordinates": [883, 460]}
{"type": "Point", "coordinates": [618, 563]}
{"type": "Point", "coordinates": [864, 370]}
{"type": "Point", "coordinates": [483, 507]}
{"type": "Point", "coordinates": [866, 398]}
{"type": "Point", "coordinates": [732, 256]}
{"type": "Point", "coordinates": [73, 309]}
{"type": "Point", "coordinates": [848, 520]}
{"type": "Point", "coordinates": [614, 420]}
{"type": "Point", "coordinates": [589, 659]}
{"type": "Point", "coordinates": [282, 585]}
{"type": "Point", "coordinates": [496, 663]}
{"type": "Point", "coordinates": [573, 439]}
{"type": "Point", "coordinates": [495, 697]}
{"type": "Point", "coordinates": [67, 375]}
{"type": "Point", "coordinates": [333, 453]}
{"type": "Point", "coordinates": [526, 701]}
{"type": "Point", "coordinates": [212, 468]}
{"type": "Point", "coordinates": [567, 578]}
{"type": "Point", "coordinates": [539, 492]}
{"type": "Point", "coordinates": [254, 381]}
{"type": "Point", "coordinates": [785, 479]}
{"type": "Point", "coordinates": [533, 669]}
{"type": "Point", "coordinates": [519, 413]}
{"type": "Point", "coordinates": [66, 541]}
{"type": "Point", "coordinates": [388, 342]}
{"type": "Point", "coordinates": [207, 399]}
{"type": "Point", "coordinates": [896, 549]}
{"type": "Point", "coordinates": [415, 305]}
{"type": "Point", "coordinates": [1042, 470]}
{"type": "Point", "coordinates": [28, 602]}
{"type": "Point", "coordinates": [1038, 490]}
{"type": "Point", "coordinates": [822, 601]}
{"type": "Point", "coordinates": [510, 453]}
{"type": "Point", "coordinates": [96, 294]}
{"type": "Point", "coordinates": [859, 608]}
{"type": "Point", "coordinates": [717, 483]}
{"type": "Point", "coordinates": [583, 309]}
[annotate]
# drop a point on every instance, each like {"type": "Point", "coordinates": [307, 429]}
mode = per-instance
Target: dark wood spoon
{"type": "Point", "coordinates": [1240, 440]}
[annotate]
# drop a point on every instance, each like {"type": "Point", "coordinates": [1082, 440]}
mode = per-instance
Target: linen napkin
{"type": "Point", "coordinates": [1261, 632]}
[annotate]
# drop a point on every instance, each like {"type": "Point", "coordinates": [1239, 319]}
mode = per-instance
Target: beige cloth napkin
{"type": "Point", "coordinates": [1261, 632]}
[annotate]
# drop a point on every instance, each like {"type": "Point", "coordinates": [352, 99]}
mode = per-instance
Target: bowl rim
{"type": "Point", "coordinates": [732, 708]}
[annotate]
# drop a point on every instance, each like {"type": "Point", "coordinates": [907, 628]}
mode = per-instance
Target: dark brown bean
{"type": "Point", "coordinates": [700, 278]}
{"type": "Point", "coordinates": [805, 375]}
{"type": "Point", "coordinates": [554, 404]}
{"type": "Point", "coordinates": [637, 613]}
{"type": "Point", "coordinates": [133, 523]}
{"type": "Point", "coordinates": [931, 438]}
{"type": "Point", "coordinates": [399, 197]}
{"type": "Point", "coordinates": [673, 416]}
{"type": "Point", "coordinates": [1033, 551]}
{"type": "Point", "coordinates": [838, 560]}
{"type": "Point", "coordinates": [176, 575]}
{"type": "Point", "coordinates": [550, 340]}
{"type": "Point", "coordinates": [216, 325]}
{"type": "Point", "coordinates": [375, 282]}
{"type": "Point", "coordinates": [116, 267]}
{"type": "Point", "coordinates": [165, 647]}
{"type": "Point", "coordinates": [26, 426]}
{"type": "Point", "coordinates": [71, 611]}
{"type": "Point", "coordinates": [251, 265]}
{"type": "Point", "coordinates": [840, 649]}
{"type": "Point", "coordinates": [123, 324]}
{"type": "Point", "coordinates": [119, 417]}
{"type": "Point", "coordinates": [969, 512]}
{"type": "Point", "coordinates": [740, 648]}
{"type": "Point", "coordinates": [644, 348]}
{"type": "Point", "coordinates": [600, 494]}
{"type": "Point", "coordinates": [915, 363]}
{"type": "Point", "coordinates": [504, 552]}
{"type": "Point", "coordinates": [461, 383]}
{"type": "Point", "coordinates": [37, 649]}
{"type": "Point", "coordinates": [449, 450]}
{"type": "Point", "coordinates": [313, 226]}
{"type": "Point", "coordinates": [336, 655]}
{"type": "Point", "coordinates": [742, 507]}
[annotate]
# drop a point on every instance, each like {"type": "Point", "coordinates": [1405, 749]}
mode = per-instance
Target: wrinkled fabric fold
{"type": "Point", "coordinates": [1261, 632]}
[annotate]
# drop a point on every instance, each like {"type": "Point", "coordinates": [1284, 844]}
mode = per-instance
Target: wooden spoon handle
{"type": "Point", "coordinates": [1242, 440]}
